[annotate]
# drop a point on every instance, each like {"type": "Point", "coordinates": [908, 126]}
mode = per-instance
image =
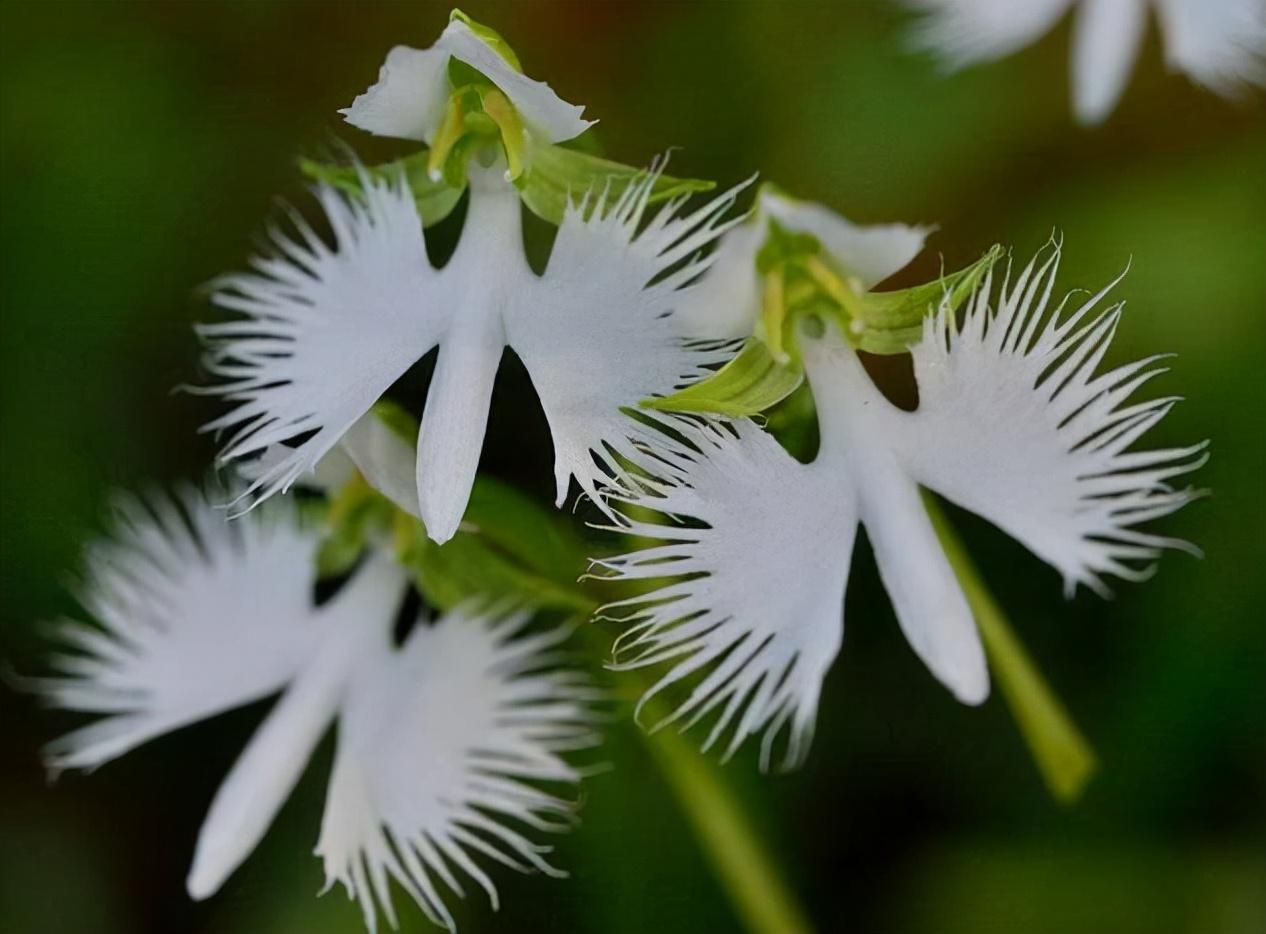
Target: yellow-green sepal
{"type": "Point", "coordinates": [435, 198]}
{"type": "Point", "coordinates": [891, 321]}
{"type": "Point", "coordinates": [558, 175]}
{"type": "Point", "coordinates": [750, 383]}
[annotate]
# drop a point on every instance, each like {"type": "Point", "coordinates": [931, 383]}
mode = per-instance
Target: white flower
{"type": "Point", "coordinates": [413, 88]}
{"type": "Point", "coordinates": [1012, 424]}
{"type": "Point", "coordinates": [325, 331]}
{"type": "Point", "coordinates": [1220, 44]}
{"type": "Point", "coordinates": [729, 304]}
{"type": "Point", "coordinates": [444, 743]}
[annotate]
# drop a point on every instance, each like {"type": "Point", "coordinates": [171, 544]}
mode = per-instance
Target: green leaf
{"type": "Point", "coordinates": [1059, 749]}
{"type": "Point", "coordinates": [435, 199]}
{"type": "Point", "coordinates": [752, 382]}
{"type": "Point", "coordinates": [468, 566]}
{"type": "Point", "coordinates": [557, 174]}
{"type": "Point", "coordinates": [894, 320]}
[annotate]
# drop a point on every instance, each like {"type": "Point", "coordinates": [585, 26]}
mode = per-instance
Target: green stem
{"type": "Point", "coordinates": [744, 869]}
{"type": "Point", "coordinates": [1062, 753]}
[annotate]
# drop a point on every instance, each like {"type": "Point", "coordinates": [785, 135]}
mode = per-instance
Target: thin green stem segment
{"type": "Point", "coordinates": [743, 867]}
{"type": "Point", "coordinates": [1062, 753]}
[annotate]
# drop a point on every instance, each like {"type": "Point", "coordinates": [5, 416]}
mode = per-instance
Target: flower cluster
{"type": "Point", "coordinates": [663, 325]}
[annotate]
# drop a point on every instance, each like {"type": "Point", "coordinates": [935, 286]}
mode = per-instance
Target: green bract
{"type": "Point", "coordinates": [802, 287]}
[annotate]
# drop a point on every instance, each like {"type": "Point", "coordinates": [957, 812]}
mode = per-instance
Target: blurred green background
{"type": "Point", "coordinates": [143, 146]}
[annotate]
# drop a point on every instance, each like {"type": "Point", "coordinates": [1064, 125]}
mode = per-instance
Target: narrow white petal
{"type": "Point", "coordinates": [456, 418]}
{"type": "Point", "coordinates": [856, 424]}
{"type": "Point", "coordinates": [408, 99]}
{"type": "Point", "coordinates": [193, 617]}
{"type": "Point", "coordinates": [493, 274]}
{"type": "Point", "coordinates": [1220, 44]}
{"type": "Point", "coordinates": [1015, 424]}
{"type": "Point", "coordinates": [539, 106]}
{"type": "Point", "coordinates": [869, 253]}
{"type": "Point", "coordinates": [1107, 35]}
{"type": "Point", "coordinates": [384, 459]}
{"type": "Point", "coordinates": [753, 615]}
{"type": "Point", "coordinates": [360, 615]}
{"type": "Point", "coordinates": [965, 31]}
{"type": "Point", "coordinates": [598, 331]}
{"type": "Point", "coordinates": [324, 332]}
{"type": "Point", "coordinates": [446, 748]}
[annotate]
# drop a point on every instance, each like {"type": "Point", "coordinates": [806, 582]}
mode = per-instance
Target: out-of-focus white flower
{"type": "Point", "coordinates": [1220, 44]}
{"type": "Point", "coordinates": [445, 743]}
{"type": "Point", "coordinates": [1013, 424]}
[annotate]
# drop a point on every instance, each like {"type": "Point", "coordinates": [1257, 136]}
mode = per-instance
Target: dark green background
{"type": "Point", "coordinates": [143, 145]}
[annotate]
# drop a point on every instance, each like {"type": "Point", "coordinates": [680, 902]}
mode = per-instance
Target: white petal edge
{"type": "Point", "coordinates": [753, 614]}
{"type": "Point", "coordinates": [194, 616]}
{"type": "Point", "coordinates": [1016, 424]}
{"type": "Point", "coordinates": [1220, 44]}
{"type": "Point", "coordinates": [323, 332]}
{"type": "Point", "coordinates": [446, 748]}
{"type": "Point", "coordinates": [962, 32]}
{"type": "Point", "coordinates": [597, 332]}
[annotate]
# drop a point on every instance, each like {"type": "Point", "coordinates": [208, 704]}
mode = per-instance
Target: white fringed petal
{"type": "Point", "coordinates": [1016, 424]}
{"type": "Point", "coordinates": [1107, 35]}
{"type": "Point", "coordinates": [324, 332]}
{"type": "Point", "coordinates": [727, 302]}
{"type": "Point", "coordinates": [599, 331]}
{"type": "Point", "coordinates": [962, 32]}
{"type": "Point", "coordinates": [756, 607]}
{"type": "Point", "coordinates": [1220, 44]}
{"type": "Point", "coordinates": [444, 746]}
{"type": "Point", "coordinates": [409, 97]}
{"type": "Point", "coordinates": [195, 616]}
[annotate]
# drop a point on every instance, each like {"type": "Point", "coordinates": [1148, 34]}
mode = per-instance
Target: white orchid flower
{"type": "Point", "coordinates": [413, 89]}
{"type": "Point", "coordinates": [731, 303]}
{"type": "Point", "coordinates": [1013, 424]}
{"type": "Point", "coordinates": [325, 331]}
{"type": "Point", "coordinates": [1220, 44]}
{"type": "Point", "coordinates": [444, 744]}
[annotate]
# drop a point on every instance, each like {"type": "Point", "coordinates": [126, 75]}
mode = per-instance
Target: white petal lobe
{"type": "Point", "coordinates": [755, 634]}
{"type": "Point", "coordinates": [597, 332]}
{"type": "Point", "coordinates": [967, 31]}
{"type": "Point", "coordinates": [444, 747]}
{"type": "Point", "coordinates": [1107, 35]}
{"type": "Point", "coordinates": [408, 99]}
{"type": "Point", "coordinates": [1016, 424]}
{"type": "Point", "coordinates": [324, 332]}
{"type": "Point", "coordinates": [1220, 44]}
{"type": "Point", "coordinates": [167, 590]}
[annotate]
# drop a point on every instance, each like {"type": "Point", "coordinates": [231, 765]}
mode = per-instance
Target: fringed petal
{"type": "Point", "coordinates": [195, 615]}
{"type": "Point", "coordinates": [324, 332]}
{"type": "Point", "coordinates": [1016, 423]}
{"type": "Point", "coordinates": [961, 32]}
{"type": "Point", "coordinates": [752, 614]}
{"type": "Point", "coordinates": [1220, 44]}
{"type": "Point", "coordinates": [597, 332]}
{"type": "Point", "coordinates": [446, 749]}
